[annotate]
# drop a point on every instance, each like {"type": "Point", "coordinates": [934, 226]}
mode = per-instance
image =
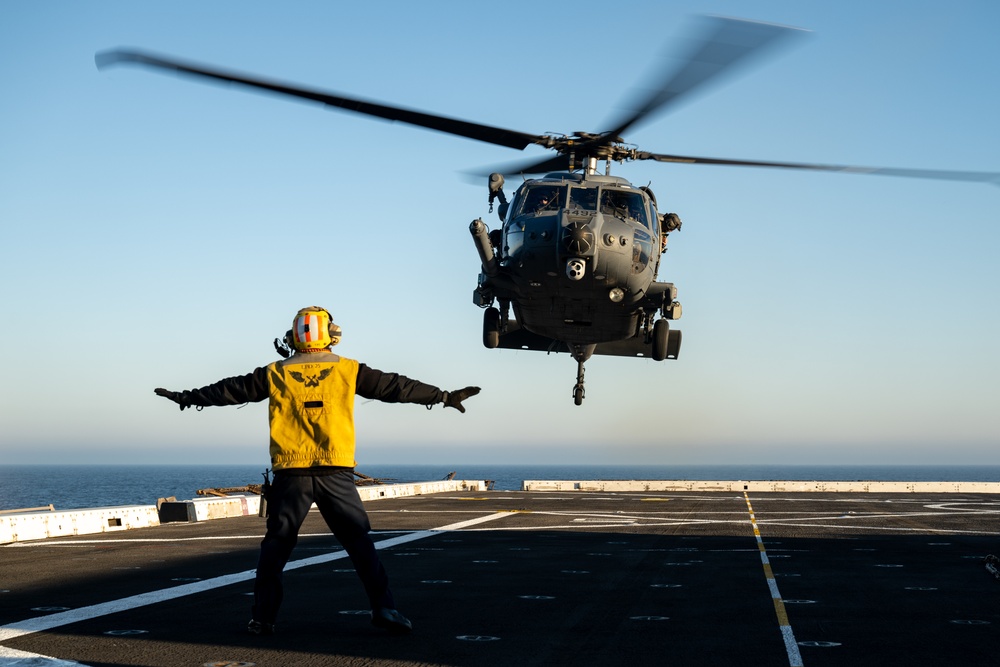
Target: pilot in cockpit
{"type": "Point", "coordinates": [542, 199]}
{"type": "Point", "coordinates": [614, 203]}
{"type": "Point", "coordinates": [623, 205]}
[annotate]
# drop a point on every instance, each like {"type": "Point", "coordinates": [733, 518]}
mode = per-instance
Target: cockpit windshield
{"type": "Point", "coordinates": [542, 199]}
{"type": "Point", "coordinates": [583, 198]}
{"type": "Point", "coordinates": [625, 205]}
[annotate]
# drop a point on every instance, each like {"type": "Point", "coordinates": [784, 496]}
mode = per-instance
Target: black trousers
{"type": "Point", "coordinates": [338, 501]}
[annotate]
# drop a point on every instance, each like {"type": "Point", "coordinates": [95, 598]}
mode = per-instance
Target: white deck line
{"type": "Point", "coordinates": [49, 621]}
{"type": "Point", "coordinates": [787, 635]}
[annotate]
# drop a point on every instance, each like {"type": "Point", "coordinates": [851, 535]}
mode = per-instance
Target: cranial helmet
{"type": "Point", "coordinates": [313, 329]}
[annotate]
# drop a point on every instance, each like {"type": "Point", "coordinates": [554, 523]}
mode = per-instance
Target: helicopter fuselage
{"type": "Point", "coordinates": [576, 260]}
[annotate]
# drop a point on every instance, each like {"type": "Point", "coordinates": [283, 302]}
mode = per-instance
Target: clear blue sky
{"type": "Point", "coordinates": [158, 231]}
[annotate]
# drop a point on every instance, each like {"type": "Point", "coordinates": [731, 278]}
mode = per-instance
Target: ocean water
{"type": "Point", "coordinates": [82, 486]}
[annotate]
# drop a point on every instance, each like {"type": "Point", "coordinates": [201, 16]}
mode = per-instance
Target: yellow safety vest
{"type": "Point", "coordinates": [311, 411]}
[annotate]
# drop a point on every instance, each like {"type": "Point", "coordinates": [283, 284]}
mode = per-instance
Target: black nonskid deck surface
{"type": "Point", "coordinates": [535, 578]}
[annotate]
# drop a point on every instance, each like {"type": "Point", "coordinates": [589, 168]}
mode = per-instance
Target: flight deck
{"type": "Point", "coordinates": [537, 577]}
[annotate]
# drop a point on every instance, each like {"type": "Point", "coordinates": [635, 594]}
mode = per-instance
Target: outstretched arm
{"type": "Point", "coordinates": [395, 388]}
{"type": "Point", "coordinates": [249, 388]}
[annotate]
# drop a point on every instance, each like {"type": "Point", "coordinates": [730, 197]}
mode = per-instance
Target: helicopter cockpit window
{"type": "Point", "coordinates": [625, 205]}
{"type": "Point", "coordinates": [583, 198]}
{"type": "Point", "coordinates": [542, 200]}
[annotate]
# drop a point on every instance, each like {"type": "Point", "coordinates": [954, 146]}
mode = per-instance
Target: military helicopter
{"type": "Point", "coordinates": [578, 252]}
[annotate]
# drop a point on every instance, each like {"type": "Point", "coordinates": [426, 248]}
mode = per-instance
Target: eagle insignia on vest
{"type": "Point", "coordinates": [311, 380]}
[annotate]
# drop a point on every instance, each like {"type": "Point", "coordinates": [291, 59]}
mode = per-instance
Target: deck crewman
{"type": "Point", "coordinates": [311, 413]}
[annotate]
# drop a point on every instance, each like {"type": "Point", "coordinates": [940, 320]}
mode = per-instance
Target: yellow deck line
{"type": "Point", "coordinates": [791, 646]}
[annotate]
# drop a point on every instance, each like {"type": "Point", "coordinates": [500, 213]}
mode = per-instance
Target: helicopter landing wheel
{"type": "Point", "coordinates": [661, 340]}
{"type": "Point", "coordinates": [578, 392]}
{"type": "Point", "coordinates": [491, 328]}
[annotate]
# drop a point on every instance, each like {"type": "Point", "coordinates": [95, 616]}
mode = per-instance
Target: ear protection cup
{"type": "Point", "coordinates": [335, 333]}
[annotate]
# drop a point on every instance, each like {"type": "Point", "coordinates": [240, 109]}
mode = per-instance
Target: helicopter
{"type": "Point", "coordinates": [573, 266]}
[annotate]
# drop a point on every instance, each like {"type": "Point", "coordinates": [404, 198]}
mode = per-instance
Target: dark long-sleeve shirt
{"type": "Point", "coordinates": [372, 383]}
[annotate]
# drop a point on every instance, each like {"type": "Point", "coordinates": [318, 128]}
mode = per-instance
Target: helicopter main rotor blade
{"type": "Point", "coordinates": [485, 133]}
{"type": "Point", "coordinates": [543, 166]}
{"type": "Point", "coordinates": [725, 44]}
{"type": "Point", "coordinates": [935, 174]}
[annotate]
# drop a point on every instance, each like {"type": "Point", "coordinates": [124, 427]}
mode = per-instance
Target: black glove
{"type": "Point", "coordinates": [178, 397]}
{"type": "Point", "coordinates": [453, 399]}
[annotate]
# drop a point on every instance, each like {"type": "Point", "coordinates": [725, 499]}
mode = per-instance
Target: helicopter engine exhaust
{"type": "Point", "coordinates": [481, 238]}
{"type": "Point", "coordinates": [576, 268]}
